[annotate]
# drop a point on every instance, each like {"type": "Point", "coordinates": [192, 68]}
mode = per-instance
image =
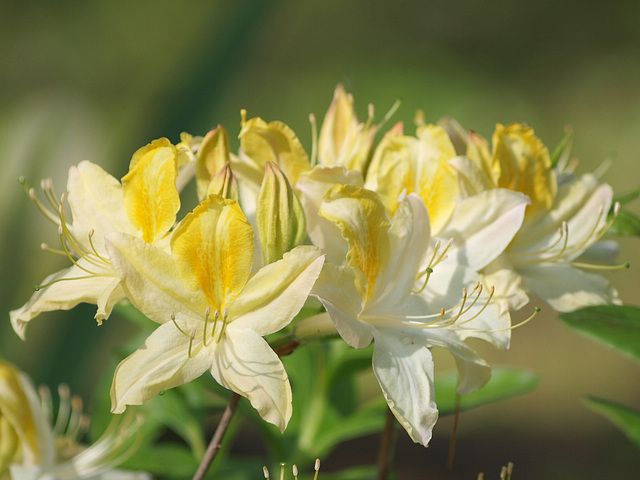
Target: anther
{"type": "Point", "coordinates": [265, 471]}
{"type": "Point", "coordinates": [316, 467]}
{"type": "Point", "coordinates": [294, 469]}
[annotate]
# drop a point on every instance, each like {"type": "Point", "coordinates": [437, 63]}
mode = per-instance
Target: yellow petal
{"type": "Point", "coordinates": [274, 142]}
{"type": "Point", "coordinates": [524, 165]}
{"type": "Point", "coordinates": [213, 247]}
{"type": "Point", "coordinates": [150, 196]}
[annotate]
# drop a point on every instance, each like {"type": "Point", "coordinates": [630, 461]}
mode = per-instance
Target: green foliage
{"type": "Point", "coordinates": [616, 326]}
{"type": "Point", "coordinates": [505, 383]}
{"type": "Point", "coordinates": [625, 418]}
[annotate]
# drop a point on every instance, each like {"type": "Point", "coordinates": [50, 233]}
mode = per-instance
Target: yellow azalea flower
{"type": "Point", "coordinates": [562, 222]}
{"type": "Point", "coordinates": [404, 165]}
{"type": "Point", "coordinates": [32, 448]}
{"type": "Point", "coordinates": [213, 311]}
{"type": "Point", "coordinates": [383, 294]}
{"type": "Point", "coordinates": [144, 205]}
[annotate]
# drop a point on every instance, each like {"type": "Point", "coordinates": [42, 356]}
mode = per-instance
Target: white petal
{"type": "Point", "coordinates": [566, 288]}
{"type": "Point", "coordinates": [162, 362]}
{"type": "Point", "coordinates": [96, 203]}
{"type": "Point", "coordinates": [245, 363]}
{"type": "Point", "coordinates": [483, 225]}
{"type": "Point", "coordinates": [72, 286]}
{"type": "Point", "coordinates": [337, 291]}
{"type": "Point", "coordinates": [409, 241]}
{"type": "Point", "coordinates": [404, 370]}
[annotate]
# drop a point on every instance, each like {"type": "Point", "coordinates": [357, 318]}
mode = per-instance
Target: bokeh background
{"type": "Point", "coordinates": [96, 80]}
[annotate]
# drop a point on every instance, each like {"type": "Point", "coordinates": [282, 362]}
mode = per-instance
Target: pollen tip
{"type": "Point", "coordinates": [316, 467]}
{"type": "Point", "coordinates": [294, 469]}
{"type": "Point", "coordinates": [627, 265]}
{"type": "Point", "coordinates": [265, 471]}
{"type": "Point", "coordinates": [22, 180]}
{"type": "Point", "coordinates": [312, 118]}
{"type": "Point", "coordinates": [537, 309]}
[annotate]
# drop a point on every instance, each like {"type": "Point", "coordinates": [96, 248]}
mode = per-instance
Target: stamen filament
{"type": "Point", "coordinates": [591, 266]}
{"type": "Point", "coordinates": [314, 139]}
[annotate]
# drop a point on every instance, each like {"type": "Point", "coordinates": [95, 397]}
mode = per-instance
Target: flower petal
{"type": "Point", "coordinates": [96, 203]}
{"type": "Point", "coordinates": [277, 292]}
{"type": "Point", "coordinates": [245, 363]}
{"type": "Point", "coordinates": [404, 370]}
{"type": "Point", "coordinates": [213, 248]}
{"type": "Point", "coordinates": [151, 198]}
{"type": "Point", "coordinates": [483, 225]}
{"type": "Point", "coordinates": [152, 281]}
{"type": "Point", "coordinates": [162, 362]}
{"type": "Point", "coordinates": [337, 291]}
{"type": "Point", "coordinates": [567, 288]}
{"type": "Point", "coordinates": [66, 289]}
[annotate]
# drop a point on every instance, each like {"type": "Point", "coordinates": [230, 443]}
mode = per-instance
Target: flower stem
{"type": "Point", "coordinates": [387, 444]}
{"type": "Point", "coordinates": [216, 440]}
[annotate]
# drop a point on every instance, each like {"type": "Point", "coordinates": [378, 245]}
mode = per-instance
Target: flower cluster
{"type": "Point", "coordinates": [420, 240]}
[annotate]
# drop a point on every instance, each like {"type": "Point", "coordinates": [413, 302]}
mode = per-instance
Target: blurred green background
{"type": "Point", "coordinates": [97, 80]}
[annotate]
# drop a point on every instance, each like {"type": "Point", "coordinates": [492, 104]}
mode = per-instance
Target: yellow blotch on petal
{"type": "Point", "coordinates": [417, 165]}
{"type": "Point", "coordinates": [151, 199]}
{"type": "Point", "coordinates": [213, 247]}
{"type": "Point", "coordinates": [362, 219]}
{"type": "Point", "coordinates": [522, 163]}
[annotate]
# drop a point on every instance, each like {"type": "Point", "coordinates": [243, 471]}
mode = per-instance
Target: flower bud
{"type": "Point", "coordinates": [279, 216]}
{"type": "Point", "coordinates": [213, 155]}
{"type": "Point", "coordinates": [224, 184]}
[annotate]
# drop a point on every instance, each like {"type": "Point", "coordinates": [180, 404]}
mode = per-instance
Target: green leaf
{"type": "Point", "coordinates": [625, 224]}
{"type": "Point", "coordinates": [505, 383]}
{"type": "Point", "coordinates": [164, 460]}
{"type": "Point", "coordinates": [617, 326]}
{"type": "Point", "coordinates": [625, 418]}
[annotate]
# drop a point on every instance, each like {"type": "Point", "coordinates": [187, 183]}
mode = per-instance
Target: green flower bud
{"type": "Point", "coordinates": [279, 216]}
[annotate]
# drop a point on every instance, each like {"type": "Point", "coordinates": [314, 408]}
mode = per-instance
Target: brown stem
{"type": "Point", "coordinates": [454, 434]}
{"type": "Point", "coordinates": [216, 440]}
{"type": "Point", "coordinates": [387, 443]}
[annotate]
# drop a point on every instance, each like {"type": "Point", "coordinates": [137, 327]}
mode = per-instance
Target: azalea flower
{"type": "Point", "coordinates": [212, 311]}
{"type": "Point", "coordinates": [144, 205]}
{"type": "Point", "coordinates": [562, 222]}
{"type": "Point", "coordinates": [33, 448]}
{"type": "Point", "coordinates": [383, 295]}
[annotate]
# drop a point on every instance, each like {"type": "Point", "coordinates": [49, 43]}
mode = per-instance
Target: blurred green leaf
{"type": "Point", "coordinates": [625, 418]}
{"type": "Point", "coordinates": [617, 326]}
{"type": "Point", "coordinates": [626, 223]}
{"type": "Point", "coordinates": [505, 383]}
{"type": "Point", "coordinates": [361, 472]}
{"type": "Point", "coordinates": [163, 461]}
